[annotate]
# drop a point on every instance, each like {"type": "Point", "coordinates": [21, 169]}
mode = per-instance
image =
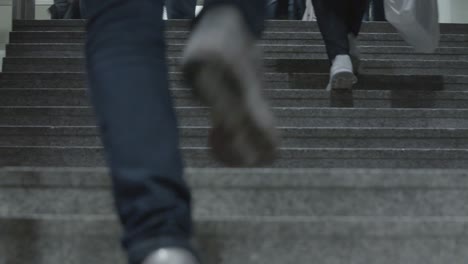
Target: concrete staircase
{"type": "Point", "coordinates": [379, 175]}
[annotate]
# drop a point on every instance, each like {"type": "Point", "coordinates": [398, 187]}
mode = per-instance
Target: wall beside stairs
{"type": "Point", "coordinates": [453, 11]}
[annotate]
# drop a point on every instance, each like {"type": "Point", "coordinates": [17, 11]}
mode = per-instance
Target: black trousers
{"type": "Point", "coordinates": [378, 11]}
{"type": "Point", "coordinates": [336, 19]}
{"type": "Point", "coordinates": [67, 9]}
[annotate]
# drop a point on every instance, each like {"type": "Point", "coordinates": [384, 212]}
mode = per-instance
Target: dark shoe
{"type": "Point", "coordinates": [171, 256]}
{"type": "Point", "coordinates": [223, 65]}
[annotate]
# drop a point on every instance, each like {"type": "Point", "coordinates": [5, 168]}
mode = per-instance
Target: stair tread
{"type": "Point", "coordinates": [249, 227]}
{"type": "Point", "coordinates": [285, 131]}
{"type": "Point", "coordinates": [249, 178]}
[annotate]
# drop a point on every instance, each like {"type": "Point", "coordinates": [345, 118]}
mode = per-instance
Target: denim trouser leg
{"type": "Point", "coordinates": [83, 11]}
{"type": "Point", "coordinates": [378, 10]}
{"type": "Point", "coordinates": [181, 9]}
{"type": "Point", "coordinates": [128, 77]}
{"type": "Point", "coordinates": [271, 8]}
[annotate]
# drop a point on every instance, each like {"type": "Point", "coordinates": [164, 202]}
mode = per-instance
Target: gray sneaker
{"type": "Point", "coordinates": [341, 74]}
{"type": "Point", "coordinates": [223, 65]}
{"type": "Point", "coordinates": [171, 256]}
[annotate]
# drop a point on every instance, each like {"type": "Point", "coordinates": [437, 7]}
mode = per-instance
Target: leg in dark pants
{"type": "Point", "coordinates": [378, 11]}
{"type": "Point", "coordinates": [252, 10]}
{"type": "Point", "coordinates": [128, 77]}
{"type": "Point", "coordinates": [271, 9]}
{"type": "Point", "coordinates": [61, 7]}
{"type": "Point", "coordinates": [83, 11]}
{"type": "Point", "coordinates": [336, 19]}
{"type": "Point", "coordinates": [181, 9]}
{"type": "Point", "coordinates": [128, 80]}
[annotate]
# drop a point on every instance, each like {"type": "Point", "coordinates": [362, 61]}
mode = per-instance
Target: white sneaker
{"type": "Point", "coordinates": [223, 65]}
{"type": "Point", "coordinates": [171, 256]}
{"type": "Point", "coordinates": [354, 52]}
{"type": "Point", "coordinates": [341, 74]}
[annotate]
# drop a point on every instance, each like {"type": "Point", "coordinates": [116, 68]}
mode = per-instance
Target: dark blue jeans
{"type": "Point", "coordinates": [378, 10]}
{"type": "Point", "coordinates": [128, 78]}
{"type": "Point", "coordinates": [83, 9]}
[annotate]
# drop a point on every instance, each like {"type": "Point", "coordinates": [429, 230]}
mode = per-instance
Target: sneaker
{"type": "Point", "coordinates": [223, 65]}
{"type": "Point", "coordinates": [354, 52]}
{"type": "Point", "coordinates": [341, 74]}
{"type": "Point", "coordinates": [171, 256]}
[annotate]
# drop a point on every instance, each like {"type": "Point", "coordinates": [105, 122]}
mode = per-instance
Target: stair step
{"type": "Point", "coordinates": [276, 51]}
{"type": "Point", "coordinates": [93, 239]}
{"type": "Point", "coordinates": [278, 98]}
{"type": "Point", "coordinates": [422, 67]}
{"type": "Point", "coordinates": [289, 157]}
{"type": "Point", "coordinates": [251, 192]}
{"type": "Point", "coordinates": [307, 81]}
{"type": "Point", "coordinates": [300, 117]}
{"type": "Point", "coordinates": [184, 25]}
{"type": "Point", "coordinates": [292, 137]}
{"type": "Point", "coordinates": [268, 38]}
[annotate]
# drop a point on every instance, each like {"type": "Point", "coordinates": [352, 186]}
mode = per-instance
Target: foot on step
{"type": "Point", "coordinates": [341, 74]}
{"type": "Point", "coordinates": [223, 66]}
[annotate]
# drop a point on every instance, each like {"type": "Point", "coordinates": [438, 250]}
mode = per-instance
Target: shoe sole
{"type": "Point", "coordinates": [240, 136]}
{"type": "Point", "coordinates": [342, 81]}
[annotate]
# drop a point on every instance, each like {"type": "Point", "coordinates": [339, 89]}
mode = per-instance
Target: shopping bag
{"type": "Point", "coordinates": [417, 21]}
{"type": "Point", "coordinates": [309, 14]}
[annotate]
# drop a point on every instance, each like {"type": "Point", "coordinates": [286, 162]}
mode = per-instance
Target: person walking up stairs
{"type": "Point", "coordinates": [340, 22]}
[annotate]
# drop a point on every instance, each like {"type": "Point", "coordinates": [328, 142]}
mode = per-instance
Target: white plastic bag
{"type": "Point", "coordinates": [417, 21]}
{"type": "Point", "coordinates": [309, 14]}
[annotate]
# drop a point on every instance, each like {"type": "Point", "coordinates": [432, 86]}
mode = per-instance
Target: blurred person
{"type": "Point", "coordinates": [59, 9]}
{"type": "Point", "coordinates": [271, 9]}
{"type": "Point", "coordinates": [376, 11]}
{"type": "Point", "coordinates": [128, 77]}
{"type": "Point", "coordinates": [83, 10]}
{"type": "Point", "coordinates": [65, 9]}
{"type": "Point", "coordinates": [285, 9]}
{"type": "Point", "coordinates": [181, 9]}
{"type": "Point", "coordinates": [340, 22]}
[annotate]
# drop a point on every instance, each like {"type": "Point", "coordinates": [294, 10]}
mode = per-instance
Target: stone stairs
{"type": "Point", "coordinates": [377, 175]}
